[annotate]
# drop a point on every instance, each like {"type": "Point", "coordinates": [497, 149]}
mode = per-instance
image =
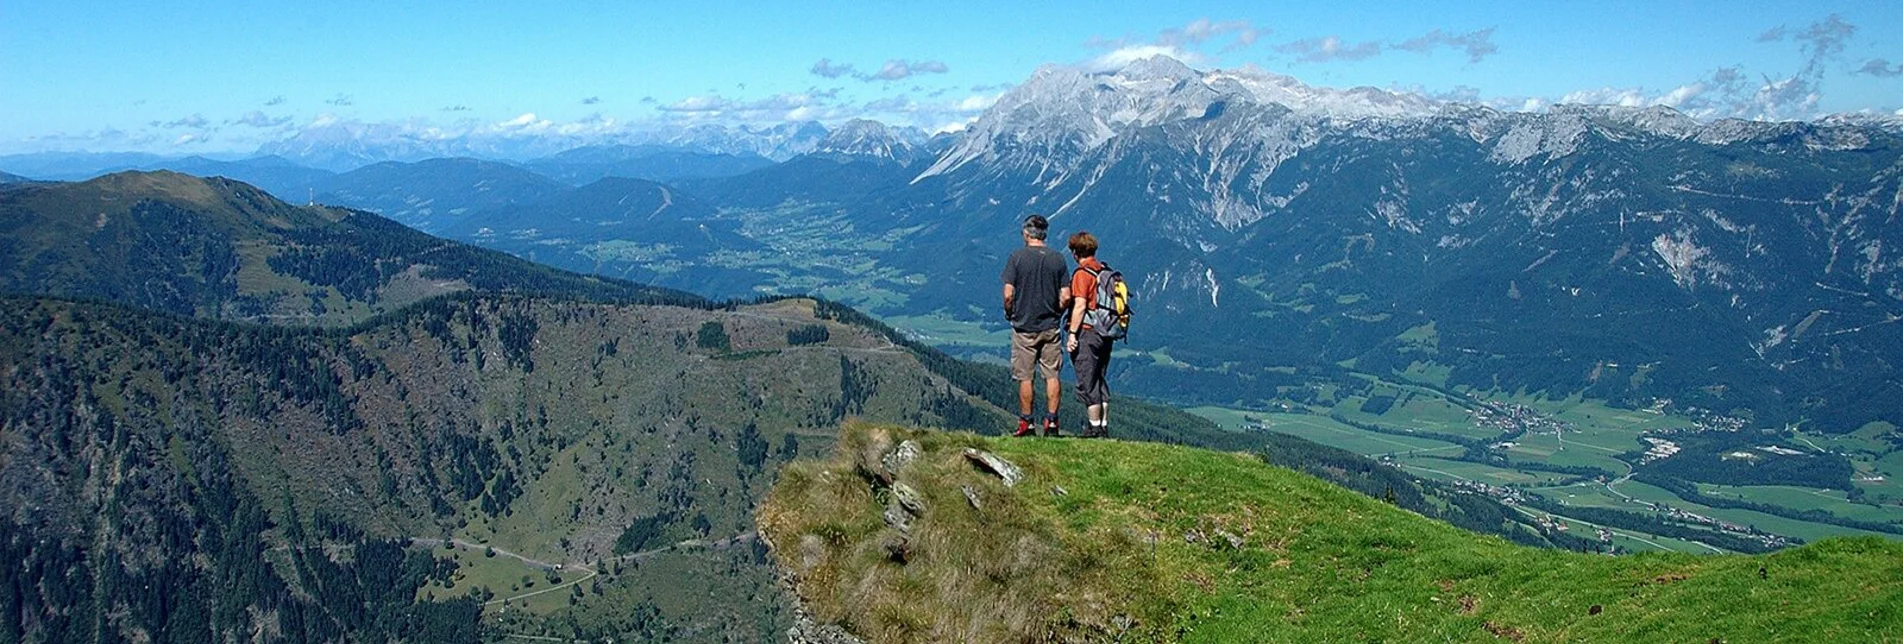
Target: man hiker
{"type": "Point", "coordinates": [1089, 350]}
{"type": "Point", "coordinates": [1034, 297]}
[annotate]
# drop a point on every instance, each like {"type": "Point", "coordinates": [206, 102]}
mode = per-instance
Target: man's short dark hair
{"type": "Point", "coordinates": [1036, 226]}
{"type": "Point", "coordinates": [1083, 244]}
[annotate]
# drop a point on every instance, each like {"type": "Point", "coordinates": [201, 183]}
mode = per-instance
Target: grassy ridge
{"type": "Point", "coordinates": [1157, 542]}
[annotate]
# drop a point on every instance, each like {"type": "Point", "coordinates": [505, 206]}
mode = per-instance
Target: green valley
{"type": "Point", "coordinates": [1567, 458]}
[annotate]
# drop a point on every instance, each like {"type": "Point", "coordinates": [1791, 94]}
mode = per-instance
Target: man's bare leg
{"type": "Point", "coordinates": [1024, 398]}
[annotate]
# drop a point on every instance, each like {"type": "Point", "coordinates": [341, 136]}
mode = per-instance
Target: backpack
{"type": "Point", "coordinates": [1110, 317]}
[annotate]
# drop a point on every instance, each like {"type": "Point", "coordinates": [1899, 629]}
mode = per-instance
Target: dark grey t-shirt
{"type": "Point", "coordinates": [1037, 273]}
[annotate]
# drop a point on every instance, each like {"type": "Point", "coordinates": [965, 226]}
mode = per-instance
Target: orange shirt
{"type": "Point", "coordinates": [1083, 284]}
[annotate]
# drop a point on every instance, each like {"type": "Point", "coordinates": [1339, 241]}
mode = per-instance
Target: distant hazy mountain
{"type": "Point", "coordinates": [341, 146]}
{"type": "Point", "coordinates": [68, 166]}
{"type": "Point", "coordinates": [222, 249]}
{"type": "Point", "coordinates": [651, 162]}
{"type": "Point", "coordinates": [277, 175]}
{"type": "Point", "coordinates": [433, 194]}
{"type": "Point", "coordinates": [777, 142]}
{"type": "Point", "coordinates": [6, 178]}
{"type": "Point", "coordinates": [866, 139]}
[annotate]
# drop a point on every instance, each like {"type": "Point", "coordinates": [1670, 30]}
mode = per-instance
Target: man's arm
{"type": "Point", "coordinates": [1010, 294]}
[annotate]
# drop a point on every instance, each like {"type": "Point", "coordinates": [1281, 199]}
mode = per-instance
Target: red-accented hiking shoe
{"type": "Point", "coordinates": [1050, 426]}
{"type": "Point", "coordinates": [1024, 428]}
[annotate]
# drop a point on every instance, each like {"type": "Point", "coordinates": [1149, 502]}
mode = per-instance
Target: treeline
{"type": "Point", "coordinates": [1709, 458]}
{"type": "Point", "coordinates": [1499, 459]}
{"type": "Point", "coordinates": [1689, 491]}
{"type": "Point", "coordinates": [1652, 524]}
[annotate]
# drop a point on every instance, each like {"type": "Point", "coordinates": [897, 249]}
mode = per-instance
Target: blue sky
{"type": "Point", "coordinates": [224, 76]}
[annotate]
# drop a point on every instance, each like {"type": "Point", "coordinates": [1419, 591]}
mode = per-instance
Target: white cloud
{"type": "Point", "coordinates": [1880, 67]}
{"type": "Point", "coordinates": [1476, 44]}
{"type": "Point", "coordinates": [1189, 38]}
{"type": "Point", "coordinates": [978, 102]}
{"type": "Point", "coordinates": [826, 68]}
{"type": "Point", "coordinates": [525, 121]}
{"type": "Point", "coordinates": [1329, 49]}
{"type": "Point", "coordinates": [1204, 29]}
{"type": "Point", "coordinates": [1123, 56]}
{"type": "Point", "coordinates": [258, 119]}
{"type": "Point", "coordinates": [195, 121]}
{"type": "Point", "coordinates": [958, 126]}
{"type": "Point", "coordinates": [893, 69]}
{"type": "Point", "coordinates": [698, 104]}
{"type": "Point", "coordinates": [898, 69]}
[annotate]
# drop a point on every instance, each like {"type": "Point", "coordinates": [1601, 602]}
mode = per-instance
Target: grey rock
{"type": "Point", "coordinates": [909, 498]}
{"type": "Point", "coordinates": [807, 630]}
{"type": "Point", "coordinates": [904, 455]}
{"type": "Point", "coordinates": [971, 494]}
{"type": "Point", "coordinates": [996, 465]}
{"type": "Point", "coordinates": [896, 516]}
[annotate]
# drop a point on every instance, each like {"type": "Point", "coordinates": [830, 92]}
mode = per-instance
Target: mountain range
{"type": "Point", "coordinates": [396, 463]}
{"type": "Point", "coordinates": [221, 249]}
{"type": "Point", "coordinates": [1629, 254]}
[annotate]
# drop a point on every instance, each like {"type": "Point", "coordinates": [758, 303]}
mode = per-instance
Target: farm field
{"type": "Point", "coordinates": [1578, 437]}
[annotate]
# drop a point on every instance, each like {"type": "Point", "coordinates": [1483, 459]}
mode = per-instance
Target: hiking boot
{"type": "Point", "coordinates": [1096, 431]}
{"type": "Point", "coordinates": [1024, 428]}
{"type": "Point", "coordinates": [1050, 426]}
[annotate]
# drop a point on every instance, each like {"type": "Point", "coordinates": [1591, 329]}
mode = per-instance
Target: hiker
{"type": "Point", "coordinates": [1088, 348]}
{"type": "Point", "coordinates": [1034, 297]}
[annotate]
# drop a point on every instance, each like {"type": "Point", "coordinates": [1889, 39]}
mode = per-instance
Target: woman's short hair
{"type": "Point", "coordinates": [1083, 244]}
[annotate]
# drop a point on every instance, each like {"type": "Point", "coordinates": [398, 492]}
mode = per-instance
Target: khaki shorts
{"type": "Point", "coordinates": [1030, 351]}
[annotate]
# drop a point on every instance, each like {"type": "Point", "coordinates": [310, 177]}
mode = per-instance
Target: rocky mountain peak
{"type": "Point", "coordinates": [868, 138]}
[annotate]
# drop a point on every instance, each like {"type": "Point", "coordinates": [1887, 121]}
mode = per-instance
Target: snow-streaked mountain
{"type": "Point", "coordinates": [863, 138]}
{"type": "Point", "coordinates": [1635, 253]}
{"type": "Point", "coordinates": [1048, 122]}
{"type": "Point", "coordinates": [777, 142]}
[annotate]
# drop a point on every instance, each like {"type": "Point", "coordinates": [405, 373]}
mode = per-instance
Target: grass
{"type": "Point", "coordinates": [1107, 539]}
{"type": "Point", "coordinates": [504, 576]}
